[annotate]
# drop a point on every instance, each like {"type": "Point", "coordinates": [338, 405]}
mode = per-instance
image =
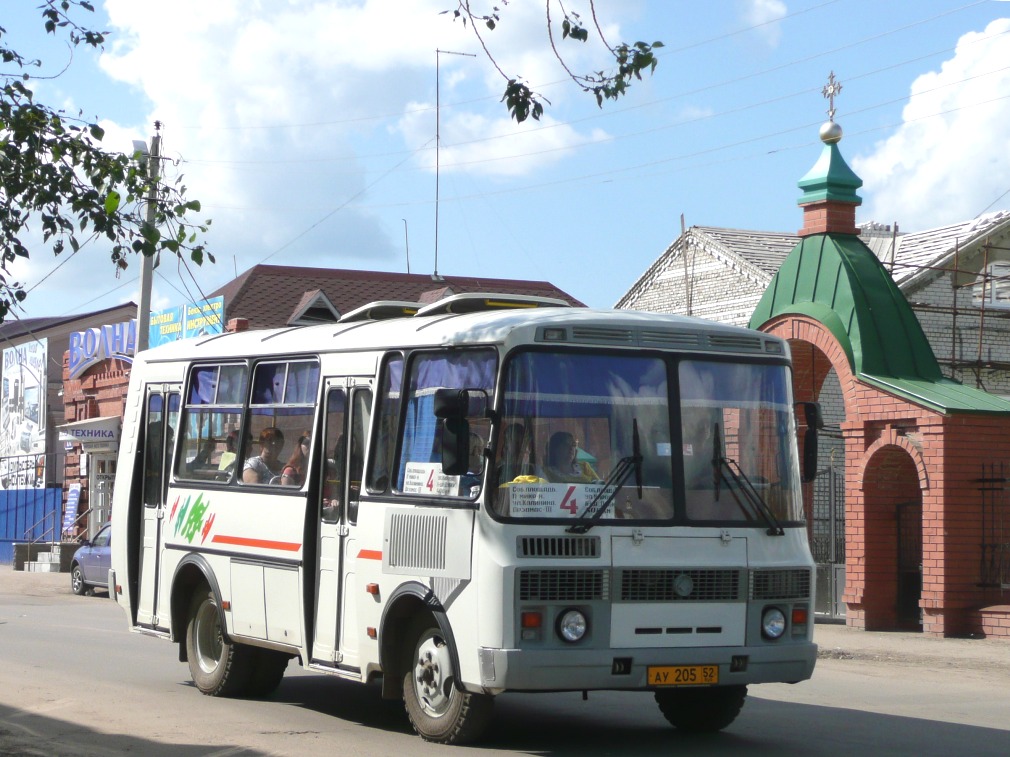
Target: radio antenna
{"type": "Point", "coordinates": [438, 123]}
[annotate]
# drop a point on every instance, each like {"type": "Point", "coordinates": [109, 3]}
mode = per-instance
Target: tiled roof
{"type": "Point", "coordinates": [267, 294]}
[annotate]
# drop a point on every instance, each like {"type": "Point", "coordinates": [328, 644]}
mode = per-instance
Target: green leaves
{"type": "Point", "coordinates": [521, 102]}
{"type": "Point", "coordinates": [112, 201]}
{"type": "Point", "coordinates": [55, 176]}
{"type": "Point", "coordinates": [630, 60]}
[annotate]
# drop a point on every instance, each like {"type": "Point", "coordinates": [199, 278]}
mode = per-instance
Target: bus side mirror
{"type": "Point", "coordinates": [455, 446]}
{"type": "Point", "coordinates": [461, 403]}
{"type": "Point", "coordinates": [814, 422]}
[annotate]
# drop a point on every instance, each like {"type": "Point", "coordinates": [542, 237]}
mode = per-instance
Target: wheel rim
{"type": "Point", "coordinates": [207, 637]}
{"type": "Point", "coordinates": [77, 579]}
{"type": "Point", "coordinates": [433, 675]}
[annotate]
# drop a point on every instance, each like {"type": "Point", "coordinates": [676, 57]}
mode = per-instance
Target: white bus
{"type": "Point", "coordinates": [497, 494]}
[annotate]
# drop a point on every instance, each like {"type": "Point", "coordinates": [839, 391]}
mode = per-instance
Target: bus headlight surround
{"type": "Point", "coordinates": [572, 625]}
{"type": "Point", "coordinates": [773, 623]}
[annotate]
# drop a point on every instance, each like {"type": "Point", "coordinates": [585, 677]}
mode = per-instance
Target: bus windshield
{"type": "Point", "coordinates": [708, 441]}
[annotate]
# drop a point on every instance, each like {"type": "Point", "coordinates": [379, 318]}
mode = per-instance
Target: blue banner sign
{"type": "Point", "coordinates": [187, 321]}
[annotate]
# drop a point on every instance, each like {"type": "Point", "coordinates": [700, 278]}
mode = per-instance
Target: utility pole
{"type": "Point", "coordinates": [147, 264]}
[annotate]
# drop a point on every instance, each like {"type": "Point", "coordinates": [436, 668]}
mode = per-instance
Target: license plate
{"type": "Point", "coordinates": [683, 675]}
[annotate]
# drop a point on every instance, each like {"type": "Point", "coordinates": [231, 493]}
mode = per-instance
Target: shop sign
{"type": "Point", "coordinates": [117, 340]}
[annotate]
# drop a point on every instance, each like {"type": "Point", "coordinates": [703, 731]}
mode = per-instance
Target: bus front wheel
{"type": "Point", "coordinates": [439, 711]}
{"type": "Point", "coordinates": [701, 710]}
{"type": "Point", "coordinates": [220, 668]}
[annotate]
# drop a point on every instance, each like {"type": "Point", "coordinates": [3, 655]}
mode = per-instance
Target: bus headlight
{"type": "Point", "coordinates": [773, 623]}
{"type": "Point", "coordinates": [572, 625]}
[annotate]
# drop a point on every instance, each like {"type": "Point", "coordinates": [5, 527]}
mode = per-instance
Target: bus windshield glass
{"type": "Point", "coordinates": [704, 442]}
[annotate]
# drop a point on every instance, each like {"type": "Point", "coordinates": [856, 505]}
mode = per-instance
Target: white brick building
{"type": "Point", "coordinates": [720, 274]}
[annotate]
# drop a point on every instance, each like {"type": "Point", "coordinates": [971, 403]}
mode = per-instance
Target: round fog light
{"type": "Point", "coordinates": [773, 623]}
{"type": "Point", "coordinates": [572, 625]}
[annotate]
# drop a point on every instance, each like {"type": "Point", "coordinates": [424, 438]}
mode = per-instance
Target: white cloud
{"type": "Point", "coordinates": [950, 158]}
{"type": "Point", "coordinates": [275, 111]}
{"type": "Point", "coordinates": [765, 15]}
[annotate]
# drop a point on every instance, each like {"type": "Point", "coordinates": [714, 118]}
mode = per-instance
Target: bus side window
{"type": "Point", "coordinates": [384, 442]}
{"type": "Point", "coordinates": [284, 396]}
{"type": "Point", "coordinates": [334, 456]}
{"type": "Point", "coordinates": [420, 466]}
{"type": "Point", "coordinates": [212, 415]}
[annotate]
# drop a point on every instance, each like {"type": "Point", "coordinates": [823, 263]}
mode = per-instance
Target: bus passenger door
{"type": "Point", "coordinates": [161, 418]}
{"type": "Point", "coordinates": [348, 409]}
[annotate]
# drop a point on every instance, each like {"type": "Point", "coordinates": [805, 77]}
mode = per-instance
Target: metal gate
{"type": "Point", "coordinates": [909, 564]}
{"type": "Point", "coordinates": [827, 531]}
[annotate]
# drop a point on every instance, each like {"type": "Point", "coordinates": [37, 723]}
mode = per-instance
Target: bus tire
{"type": "Point", "coordinates": [438, 710]}
{"type": "Point", "coordinates": [219, 667]}
{"type": "Point", "coordinates": [268, 668]}
{"type": "Point", "coordinates": [701, 710]}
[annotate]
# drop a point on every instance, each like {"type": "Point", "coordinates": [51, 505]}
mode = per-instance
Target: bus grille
{"type": "Point", "coordinates": [555, 546]}
{"type": "Point", "coordinates": [563, 585]}
{"type": "Point", "coordinates": [680, 585]}
{"type": "Point", "coordinates": [417, 541]}
{"type": "Point", "coordinates": [785, 583]}
{"type": "Point", "coordinates": [603, 334]}
{"type": "Point", "coordinates": [669, 339]}
{"type": "Point", "coordinates": [734, 342]}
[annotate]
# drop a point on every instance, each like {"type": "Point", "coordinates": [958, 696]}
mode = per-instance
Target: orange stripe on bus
{"type": "Point", "coordinates": [370, 554]}
{"type": "Point", "coordinates": [241, 541]}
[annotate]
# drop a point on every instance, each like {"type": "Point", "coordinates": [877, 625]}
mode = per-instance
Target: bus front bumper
{"type": "Point", "coordinates": [616, 669]}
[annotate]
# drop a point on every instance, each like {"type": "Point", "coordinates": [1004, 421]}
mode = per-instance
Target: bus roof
{"type": "Point", "coordinates": [550, 325]}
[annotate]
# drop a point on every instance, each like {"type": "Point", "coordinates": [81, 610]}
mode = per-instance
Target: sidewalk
{"type": "Point", "coordinates": [836, 641]}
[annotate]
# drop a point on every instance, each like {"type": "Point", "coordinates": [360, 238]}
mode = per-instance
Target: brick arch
{"type": "Point", "coordinates": [800, 328]}
{"type": "Point", "coordinates": [891, 438]}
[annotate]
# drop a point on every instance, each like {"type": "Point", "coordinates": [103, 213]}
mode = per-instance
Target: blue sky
{"type": "Point", "coordinates": [307, 130]}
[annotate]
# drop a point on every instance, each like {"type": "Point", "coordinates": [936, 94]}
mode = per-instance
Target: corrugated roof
{"type": "Point", "coordinates": [266, 294]}
{"type": "Point", "coordinates": [764, 249]}
{"type": "Point", "coordinates": [921, 251]}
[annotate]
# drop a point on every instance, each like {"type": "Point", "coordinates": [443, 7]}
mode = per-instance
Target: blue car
{"type": "Point", "coordinates": [92, 561]}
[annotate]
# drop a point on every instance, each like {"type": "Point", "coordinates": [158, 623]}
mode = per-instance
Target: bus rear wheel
{"type": "Point", "coordinates": [701, 710]}
{"type": "Point", "coordinates": [220, 668]}
{"type": "Point", "coordinates": [439, 711]}
{"type": "Point", "coordinates": [268, 668]}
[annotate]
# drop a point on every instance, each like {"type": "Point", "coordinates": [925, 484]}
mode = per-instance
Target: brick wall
{"type": "Point", "coordinates": [898, 453]}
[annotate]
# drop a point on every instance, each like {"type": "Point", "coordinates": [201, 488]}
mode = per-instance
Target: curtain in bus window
{"type": "Point", "coordinates": [573, 385]}
{"type": "Point", "coordinates": [303, 378]}
{"type": "Point", "coordinates": [470, 369]}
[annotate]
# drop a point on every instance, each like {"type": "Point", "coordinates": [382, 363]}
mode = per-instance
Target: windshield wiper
{"type": "Point", "coordinates": [624, 468]}
{"type": "Point", "coordinates": [727, 469]}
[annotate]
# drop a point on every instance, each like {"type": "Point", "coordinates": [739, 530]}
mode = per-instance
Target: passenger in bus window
{"type": "Point", "coordinates": [227, 461]}
{"type": "Point", "coordinates": [264, 468]}
{"type": "Point", "coordinates": [563, 466]}
{"type": "Point", "coordinates": [293, 473]}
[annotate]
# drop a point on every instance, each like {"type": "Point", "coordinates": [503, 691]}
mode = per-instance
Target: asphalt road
{"type": "Point", "coordinates": [74, 681]}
